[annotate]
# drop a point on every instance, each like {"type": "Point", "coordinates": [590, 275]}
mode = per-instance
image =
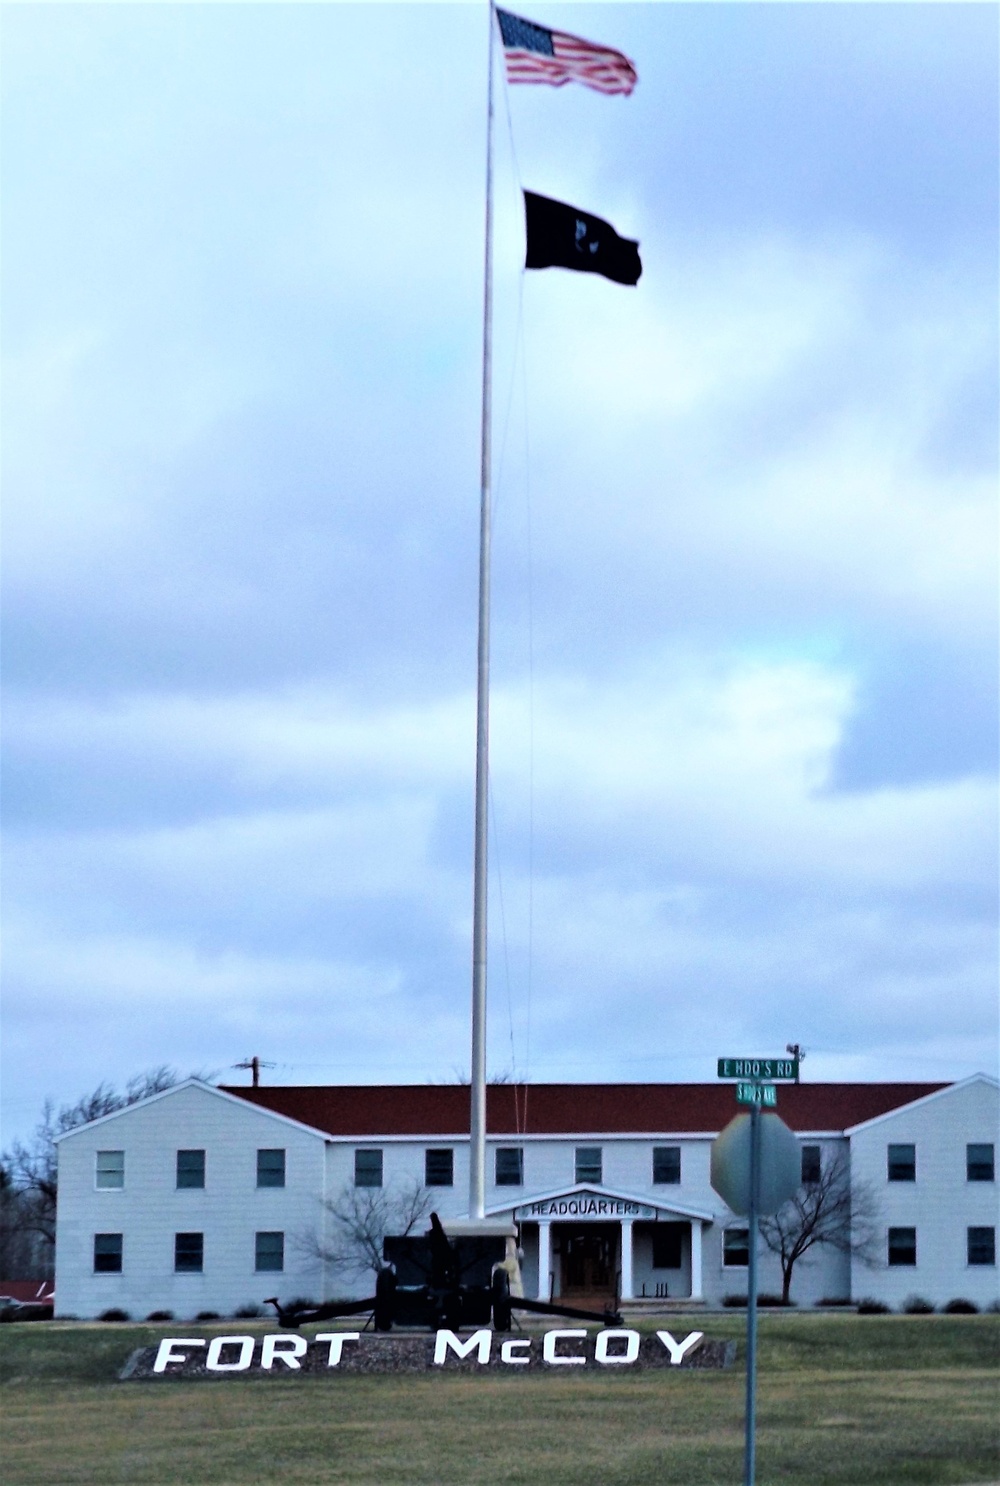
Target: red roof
{"type": "Point", "coordinates": [30, 1292]}
{"type": "Point", "coordinates": [367, 1111]}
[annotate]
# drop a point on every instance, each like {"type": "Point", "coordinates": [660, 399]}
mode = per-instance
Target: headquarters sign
{"type": "Point", "coordinates": [584, 1205]}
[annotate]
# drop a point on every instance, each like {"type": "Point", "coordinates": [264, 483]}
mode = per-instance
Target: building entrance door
{"type": "Point", "coordinates": [589, 1262]}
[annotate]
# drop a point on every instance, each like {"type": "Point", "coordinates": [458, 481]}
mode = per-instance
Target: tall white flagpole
{"type": "Point", "coordinates": [477, 1123]}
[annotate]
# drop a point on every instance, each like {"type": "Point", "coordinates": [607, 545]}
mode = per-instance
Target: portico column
{"type": "Point", "coordinates": [626, 1259]}
{"type": "Point", "coordinates": [544, 1257]}
{"type": "Point", "coordinates": [696, 1259]}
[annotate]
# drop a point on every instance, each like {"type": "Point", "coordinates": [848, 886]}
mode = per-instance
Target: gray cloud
{"type": "Point", "coordinates": [744, 697]}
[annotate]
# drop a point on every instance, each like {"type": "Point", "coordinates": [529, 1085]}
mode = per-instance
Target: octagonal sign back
{"type": "Point", "coordinates": [780, 1164]}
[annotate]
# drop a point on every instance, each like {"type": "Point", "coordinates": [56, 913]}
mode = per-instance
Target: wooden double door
{"type": "Point", "coordinates": [589, 1267]}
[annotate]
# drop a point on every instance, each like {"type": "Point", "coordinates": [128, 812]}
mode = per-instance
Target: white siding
{"type": "Point", "coordinates": [149, 1210]}
{"type": "Point", "coordinates": [940, 1204]}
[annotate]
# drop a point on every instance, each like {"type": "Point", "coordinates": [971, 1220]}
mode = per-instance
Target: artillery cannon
{"type": "Point", "coordinates": [436, 1281]}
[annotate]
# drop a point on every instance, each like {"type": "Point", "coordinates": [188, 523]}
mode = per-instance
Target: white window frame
{"type": "Point", "coordinates": [192, 1233]}
{"type": "Point", "coordinates": [100, 1186]}
{"type": "Point", "coordinates": [121, 1253]}
{"type": "Point", "coordinates": [598, 1180]}
{"type": "Point", "coordinates": [188, 1150]}
{"type": "Point", "coordinates": [519, 1149]}
{"type": "Point", "coordinates": [735, 1228]}
{"type": "Point", "coordinates": [671, 1181]}
{"type": "Point", "coordinates": [980, 1145]}
{"type": "Point", "coordinates": [980, 1263]}
{"type": "Point", "coordinates": [370, 1150]}
{"type": "Point", "coordinates": [900, 1228]}
{"type": "Point", "coordinates": [439, 1150]}
{"type": "Point", "coordinates": [270, 1268]}
{"type": "Point", "coordinates": [272, 1186]}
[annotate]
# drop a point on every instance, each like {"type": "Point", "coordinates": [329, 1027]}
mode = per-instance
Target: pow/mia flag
{"type": "Point", "coordinates": [561, 236]}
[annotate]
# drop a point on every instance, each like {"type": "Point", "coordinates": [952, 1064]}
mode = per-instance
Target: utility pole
{"type": "Point", "coordinates": [255, 1064]}
{"type": "Point", "coordinates": [798, 1053]}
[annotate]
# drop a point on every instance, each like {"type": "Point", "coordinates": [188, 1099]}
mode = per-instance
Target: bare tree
{"type": "Point", "coordinates": [30, 1171]}
{"type": "Point", "coordinates": [359, 1221]}
{"type": "Point", "coordinates": [22, 1254]}
{"type": "Point", "coordinates": [828, 1211]}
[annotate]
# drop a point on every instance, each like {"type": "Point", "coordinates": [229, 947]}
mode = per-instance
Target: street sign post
{"type": "Point", "coordinates": [750, 1442]}
{"type": "Point", "coordinates": [784, 1069]}
{"type": "Point", "coordinates": [755, 1168]}
{"type": "Point", "coordinates": [765, 1095]}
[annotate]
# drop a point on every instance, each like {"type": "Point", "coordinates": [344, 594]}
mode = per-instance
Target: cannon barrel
{"type": "Point", "coordinates": [607, 1317]}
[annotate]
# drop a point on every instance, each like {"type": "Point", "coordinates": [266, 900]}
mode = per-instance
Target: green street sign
{"type": "Point", "coordinates": [770, 1068]}
{"type": "Point", "coordinates": [765, 1095]}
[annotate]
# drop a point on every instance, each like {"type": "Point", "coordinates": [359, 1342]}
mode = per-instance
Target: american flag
{"type": "Point", "coordinates": [536, 55]}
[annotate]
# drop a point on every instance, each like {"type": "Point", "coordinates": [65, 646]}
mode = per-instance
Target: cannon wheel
{"type": "Point", "coordinates": [500, 1288]}
{"type": "Point", "coordinates": [385, 1299]}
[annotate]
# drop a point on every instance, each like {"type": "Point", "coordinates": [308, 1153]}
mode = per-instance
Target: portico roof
{"type": "Point", "coordinates": [594, 1204]}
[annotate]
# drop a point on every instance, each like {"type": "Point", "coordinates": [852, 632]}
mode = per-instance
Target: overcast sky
{"type": "Point", "coordinates": [744, 684]}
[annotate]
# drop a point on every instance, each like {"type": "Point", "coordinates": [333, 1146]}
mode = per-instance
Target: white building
{"type": "Point", "coordinates": [206, 1199]}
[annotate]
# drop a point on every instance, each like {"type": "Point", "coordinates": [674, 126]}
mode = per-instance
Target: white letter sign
{"type": "Point", "coordinates": [287, 1349]}
{"type": "Point", "coordinates": [507, 1350]}
{"type": "Point", "coordinates": [167, 1354]}
{"type": "Point", "coordinates": [336, 1340]}
{"type": "Point", "coordinates": [479, 1342]}
{"type": "Point", "coordinates": [214, 1361]}
{"type": "Point", "coordinates": [677, 1349]}
{"type": "Point", "coordinates": [631, 1352]}
{"type": "Point", "coordinates": [549, 1349]}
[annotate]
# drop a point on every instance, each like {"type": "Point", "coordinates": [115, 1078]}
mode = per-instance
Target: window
{"type": "Point", "coordinates": [736, 1248]}
{"type": "Point", "coordinates": [439, 1169]}
{"type": "Point", "coordinates": [107, 1253]}
{"type": "Point", "coordinates": [190, 1168]}
{"type": "Point", "coordinates": [367, 1168]}
{"type": "Point", "coordinates": [189, 1253]}
{"type": "Point", "coordinates": [588, 1163]}
{"type": "Point", "coordinates": [982, 1245]}
{"type": "Point", "coordinates": [978, 1163]}
{"type": "Point", "coordinates": [509, 1168]}
{"type": "Point", "coordinates": [668, 1245]}
{"type": "Point", "coordinates": [666, 1166]}
{"type": "Point", "coordinates": [902, 1163]}
{"type": "Point", "coordinates": [270, 1168]}
{"type": "Point", "coordinates": [811, 1165]}
{"type": "Point", "coordinates": [902, 1247]}
{"type": "Point", "coordinates": [110, 1169]}
{"type": "Point", "coordinates": [269, 1252]}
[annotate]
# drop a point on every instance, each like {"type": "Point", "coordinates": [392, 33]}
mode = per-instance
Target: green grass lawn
{"type": "Point", "coordinates": [843, 1400]}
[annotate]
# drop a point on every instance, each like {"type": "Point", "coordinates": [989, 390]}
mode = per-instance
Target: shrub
{"type": "Point", "coordinates": [916, 1305]}
{"type": "Point", "coordinates": [871, 1307]}
{"type": "Point", "coordinates": [160, 1316]}
{"type": "Point", "coordinates": [834, 1300]}
{"type": "Point", "coordinates": [992, 1308]}
{"type": "Point", "coordinates": [208, 1316]}
{"type": "Point", "coordinates": [248, 1312]}
{"type": "Point", "coordinates": [961, 1307]}
{"type": "Point", "coordinates": [737, 1302]}
{"type": "Point", "coordinates": [114, 1313]}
